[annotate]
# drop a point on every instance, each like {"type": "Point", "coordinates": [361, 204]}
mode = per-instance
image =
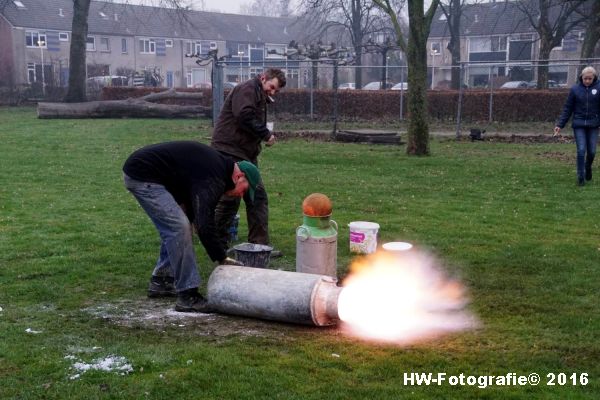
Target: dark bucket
{"type": "Point", "coordinates": [253, 255]}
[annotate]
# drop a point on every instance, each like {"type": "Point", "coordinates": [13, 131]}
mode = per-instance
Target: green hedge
{"type": "Point", "coordinates": [508, 105]}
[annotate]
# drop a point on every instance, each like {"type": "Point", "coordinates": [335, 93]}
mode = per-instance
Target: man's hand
{"type": "Point", "coordinates": [230, 261]}
{"type": "Point", "coordinates": [271, 140]}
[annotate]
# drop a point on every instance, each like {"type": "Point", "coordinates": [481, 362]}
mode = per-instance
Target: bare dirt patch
{"type": "Point", "coordinates": [159, 315]}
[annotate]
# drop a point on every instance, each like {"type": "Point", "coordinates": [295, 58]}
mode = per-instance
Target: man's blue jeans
{"type": "Point", "coordinates": [177, 257]}
{"type": "Point", "coordinates": [586, 140]}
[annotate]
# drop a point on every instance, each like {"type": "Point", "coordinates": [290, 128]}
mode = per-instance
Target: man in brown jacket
{"type": "Point", "coordinates": [238, 133]}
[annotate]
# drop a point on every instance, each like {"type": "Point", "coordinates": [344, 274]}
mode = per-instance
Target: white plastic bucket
{"type": "Point", "coordinates": [363, 237]}
{"type": "Point", "coordinates": [397, 247]}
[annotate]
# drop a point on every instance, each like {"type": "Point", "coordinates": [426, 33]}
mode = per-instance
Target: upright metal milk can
{"type": "Point", "coordinates": [316, 246]}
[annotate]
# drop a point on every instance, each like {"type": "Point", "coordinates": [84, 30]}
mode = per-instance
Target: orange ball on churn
{"type": "Point", "coordinates": [317, 205]}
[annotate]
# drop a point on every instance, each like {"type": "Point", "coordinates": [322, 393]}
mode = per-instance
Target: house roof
{"type": "Point", "coordinates": [485, 19]}
{"type": "Point", "coordinates": [128, 20]}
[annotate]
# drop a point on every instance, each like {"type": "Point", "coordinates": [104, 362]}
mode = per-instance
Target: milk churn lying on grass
{"type": "Point", "coordinates": [274, 295]}
{"type": "Point", "coordinates": [316, 238]}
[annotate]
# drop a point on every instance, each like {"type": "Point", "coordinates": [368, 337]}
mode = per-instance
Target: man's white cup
{"type": "Point", "coordinates": [270, 126]}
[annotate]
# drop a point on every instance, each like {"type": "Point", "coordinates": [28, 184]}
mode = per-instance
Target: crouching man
{"type": "Point", "coordinates": [179, 182]}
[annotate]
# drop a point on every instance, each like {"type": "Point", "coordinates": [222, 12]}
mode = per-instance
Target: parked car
{"type": "Point", "coordinates": [229, 85]}
{"type": "Point", "coordinates": [400, 86]}
{"type": "Point", "coordinates": [515, 85]}
{"type": "Point", "coordinates": [347, 86]}
{"type": "Point", "coordinates": [377, 85]}
{"type": "Point", "coordinates": [551, 84]}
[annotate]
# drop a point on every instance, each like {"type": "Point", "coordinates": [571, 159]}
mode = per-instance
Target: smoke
{"type": "Point", "coordinates": [403, 298]}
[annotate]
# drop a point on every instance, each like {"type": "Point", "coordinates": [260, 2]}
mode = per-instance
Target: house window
{"type": "Point", "coordinates": [31, 72]}
{"type": "Point", "coordinates": [499, 43]}
{"type": "Point", "coordinates": [436, 47]}
{"type": "Point", "coordinates": [168, 43]}
{"type": "Point", "coordinates": [18, 4]}
{"type": "Point", "coordinates": [104, 44]}
{"type": "Point", "coordinates": [189, 79]}
{"type": "Point", "coordinates": [35, 39]}
{"type": "Point", "coordinates": [198, 48]}
{"type": "Point", "coordinates": [188, 48]}
{"type": "Point", "coordinates": [123, 45]}
{"type": "Point", "coordinates": [147, 46]}
{"type": "Point", "coordinates": [63, 36]}
{"type": "Point", "coordinates": [486, 45]}
{"type": "Point", "coordinates": [90, 43]}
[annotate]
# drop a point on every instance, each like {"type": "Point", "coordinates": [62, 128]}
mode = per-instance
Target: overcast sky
{"type": "Point", "coordinates": [227, 6]}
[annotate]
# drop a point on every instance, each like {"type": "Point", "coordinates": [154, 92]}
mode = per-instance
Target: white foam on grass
{"type": "Point", "coordinates": [111, 363]}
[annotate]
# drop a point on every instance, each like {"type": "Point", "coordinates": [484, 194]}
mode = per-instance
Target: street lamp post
{"type": "Point", "coordinates": [41, 45]}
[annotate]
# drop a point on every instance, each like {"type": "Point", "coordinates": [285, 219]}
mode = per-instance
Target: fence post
{"type": "Point", "coordinates": [401, 93]}
{"type": "Point", "coordinates": [490, 116]}
{"type": "Point", "coordinates": [335, 96]}
{"type": "Point", "coordinates": [460, 99]}
{"type": "Point", "coordinates": [217, 89]}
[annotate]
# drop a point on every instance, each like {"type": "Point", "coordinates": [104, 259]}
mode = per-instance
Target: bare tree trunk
{"type": "Point", "coordinates": [77, 63]}
{"type": "Point", "coordinates": [592, 34]}
{"type": "Point", "coordinates": [455, 12]}
{"type": "Point", "coordinates": [542, 69]}
{"type": "Point", "coordinates": [418, 127]}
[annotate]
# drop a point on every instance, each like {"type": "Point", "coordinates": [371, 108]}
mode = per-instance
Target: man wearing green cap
{"type": "Point", "coordinates": [179, 182]}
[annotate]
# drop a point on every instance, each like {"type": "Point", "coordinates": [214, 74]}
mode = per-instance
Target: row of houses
{"type": "Point", "coordinates": [498, 40]}
{"type": "Point", "coordinates": [35, 37]}
{"type": "Point", "coordinates": [154, 44]}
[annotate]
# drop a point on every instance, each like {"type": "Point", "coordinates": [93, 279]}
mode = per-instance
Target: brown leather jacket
{"type": "Point", "coordinates": [241, 125]}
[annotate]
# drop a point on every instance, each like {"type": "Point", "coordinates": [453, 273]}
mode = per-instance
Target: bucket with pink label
{"type": "Point", "coordinates": [363, 237]}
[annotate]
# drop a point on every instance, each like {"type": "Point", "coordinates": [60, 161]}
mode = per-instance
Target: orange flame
{"type": "Point", "coordinates": [402, 297]}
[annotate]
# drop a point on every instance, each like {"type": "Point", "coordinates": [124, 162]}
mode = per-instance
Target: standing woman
{"type": "Point", "coordinates": [584, 104]}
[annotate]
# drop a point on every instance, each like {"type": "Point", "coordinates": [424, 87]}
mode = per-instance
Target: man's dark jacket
{"type": "Point", "coordinates": [196, 176]}
{"type": "Point", "coordinates": [241, 125]}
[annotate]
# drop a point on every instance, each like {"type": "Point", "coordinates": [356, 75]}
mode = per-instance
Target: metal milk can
{"type": "Point", "coordinates": [316, 246]}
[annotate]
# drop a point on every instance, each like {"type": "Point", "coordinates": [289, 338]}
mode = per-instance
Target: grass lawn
{"type": "Point", "coordinates": [76, 253]}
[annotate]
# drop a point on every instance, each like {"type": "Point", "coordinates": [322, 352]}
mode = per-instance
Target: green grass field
{"type": "Point", "coordinates": [76, 253]}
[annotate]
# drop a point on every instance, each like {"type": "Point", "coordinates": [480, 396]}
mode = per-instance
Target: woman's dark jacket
{"type": "Point", "coordinates": [584, 104]}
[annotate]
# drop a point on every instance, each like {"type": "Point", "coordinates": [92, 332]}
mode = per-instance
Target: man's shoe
{"type": "Point", "coordinates": [580, 181]}
{"type": "Point", "coordinates": [588, 173]}
{"type": "Point", "coordinates": [161, 287]}
{"type": "Point", "coordinates": [192, 301]}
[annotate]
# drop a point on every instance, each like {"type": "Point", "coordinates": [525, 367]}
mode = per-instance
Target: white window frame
{"type": "Point", "coordinates": [488, 44]}
{"type": "Point", "coordinates": [147, 46]}
{"type": "Point", "coordinates": [35, 38]}
{"type": "Point", "coordinates": [168, 42]}
{"type": "Point", "coordinates": [188, 47]}
{"type": "Point", "coordinates": [63, 36]}
{"type": "Point", "coordinates": [90, 46]}
{"type": "Point", "coordinates": [104, 39]}
{"type": "Point", "coordinates": [435, 47]}
{"type": "Point", "coordinates": [31, 70]}
{"type": "Point", "coordinates": [124, 46]}
{"type": "Point", "coordinates": [502, 43]}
